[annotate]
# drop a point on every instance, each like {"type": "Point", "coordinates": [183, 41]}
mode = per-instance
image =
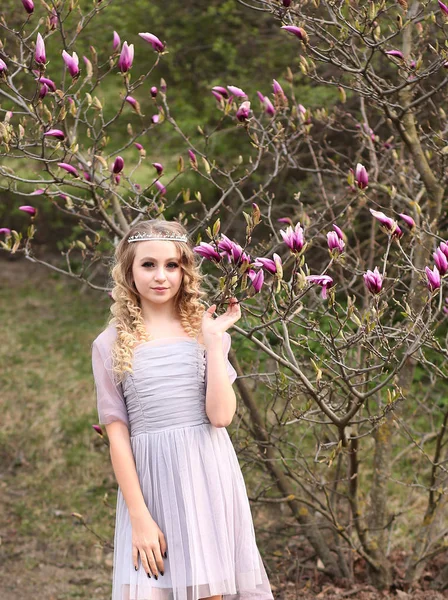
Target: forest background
{"type": "Point", "coordinates": [58, 486]}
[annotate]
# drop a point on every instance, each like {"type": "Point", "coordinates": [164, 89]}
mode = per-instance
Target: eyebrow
{"type": "Point", "coordinates": [151, 258]}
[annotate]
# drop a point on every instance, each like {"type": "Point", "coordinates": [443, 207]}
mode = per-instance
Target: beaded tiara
{"type": "Point", "coordinates": [140, 237]}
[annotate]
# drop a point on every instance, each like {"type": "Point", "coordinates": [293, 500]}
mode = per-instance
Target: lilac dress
{"type": "Point", "coordinates": [189, 475]}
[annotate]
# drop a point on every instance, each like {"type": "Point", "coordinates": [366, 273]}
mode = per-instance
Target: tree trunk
{"type": "Point", "coordinates": [378, 515]}
{"type": "Point", "coordinates": [299, 510]}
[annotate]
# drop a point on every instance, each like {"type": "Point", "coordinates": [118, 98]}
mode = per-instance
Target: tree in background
{"type": "Point", "coordinates": [341, 282]}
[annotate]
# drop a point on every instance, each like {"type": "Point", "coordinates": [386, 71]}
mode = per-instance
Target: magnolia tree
{"type": "Point", "coordinates": [341, 284]}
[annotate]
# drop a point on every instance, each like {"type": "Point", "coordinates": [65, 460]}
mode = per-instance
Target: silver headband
{"type": "Point", "coordinates": [175, 237]}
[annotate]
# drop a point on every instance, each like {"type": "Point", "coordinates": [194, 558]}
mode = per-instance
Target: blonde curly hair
{"type": "Point", "coordinates": [126, 309]}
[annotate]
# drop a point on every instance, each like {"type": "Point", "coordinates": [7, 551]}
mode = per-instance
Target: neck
{"type": "Point", "coordinates": [157, 314]}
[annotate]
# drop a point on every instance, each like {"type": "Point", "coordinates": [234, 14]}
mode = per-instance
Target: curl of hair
{"type": "Point", "coordinates": [126, 309]}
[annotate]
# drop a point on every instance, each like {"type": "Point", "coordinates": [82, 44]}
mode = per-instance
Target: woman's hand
{"type": "Point", "coordinates": [148, 541]}
{"type": "Point", "coordinates": [216, 327]}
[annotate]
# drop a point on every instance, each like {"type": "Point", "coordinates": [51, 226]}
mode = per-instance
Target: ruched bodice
{"type": "Point", "coordinates": [167, 387]}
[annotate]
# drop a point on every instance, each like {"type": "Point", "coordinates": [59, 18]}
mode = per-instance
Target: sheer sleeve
{"type": "Point", "coordinates": [226, 343]}
{"type": "Point", "coordinates": [111, 405]}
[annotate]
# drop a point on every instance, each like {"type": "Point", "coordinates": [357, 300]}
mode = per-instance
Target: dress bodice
{"type": "Point", "coordinates": [167, 387]}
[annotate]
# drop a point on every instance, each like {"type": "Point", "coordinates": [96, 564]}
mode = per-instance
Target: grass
{"type": "Point", "coordinates": [55, 463]}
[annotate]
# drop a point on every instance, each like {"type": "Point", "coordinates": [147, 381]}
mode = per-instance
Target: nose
{"type": "Point", "coordinates": [160, 274]}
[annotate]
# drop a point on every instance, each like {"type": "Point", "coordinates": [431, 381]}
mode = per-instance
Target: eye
{"type": "Point", "coordinates": [173, 264]}
{"type": "Point", "coordinates": [147, 263]}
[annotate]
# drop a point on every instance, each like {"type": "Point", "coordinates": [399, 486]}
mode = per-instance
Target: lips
{"type": "Point", "coordinates": [159, 288]}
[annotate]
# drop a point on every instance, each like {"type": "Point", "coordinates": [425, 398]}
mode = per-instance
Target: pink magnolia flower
{"type": "Point", "coordinates": [232, 250]}
{"type": "Point", "coordinates": [72, 63]}
{"type": "Point", "coordinates": [57, 133]}
{"type": "Point", "coordinates": [257, 279]}
{"type": "Point", "coordinates": [373, 280]}
{"type": "Point", "coordinates": [444, 248]}
{"type": "Point", "coordinates": [38, 192]}
{"type": "Point", "coordinates": [242, 114]}
{"type": "Point", "coordinates": [39, 52]}
{"type": "Point", "coordinates": [133, 102]}
{"type": "Point", "coordinates": [297, 31]}
{"type": "Point", "coordinates": [88, 65]}
{"type": "Point", "coordinates": [28, 6]}
{"type": "Point", "coordinates": [285, 220]}
{"type": "Point", "coordinates": [277, 88]}
{"type": "Point", "coordinates": [3, 66]}
{"type": "Point", "coordinates": [69, 168]}
{"type": "Point", "coordinates": [126, 57]}
{"type": "Point", "coordinates": [153, 40]}
{"type": "Point", "coordinates": [193, 159]}
{"type": "Point", "coordinates": [154, 91]}
{"type": "Point", "coordinates": [408, 220]}
{"type": "Point", "coordinates": [155, 118]}
{"type": "Point", "coordinates": [218, 96]}
{"type": "Point", "coordinates": [98, 429]}
{"type": "Point", "coordinates": [116, 41]}
{"type": "Point", "coordinates": [5, 230]}
{"type": "Point", "coordinates": [335, 243]}
{"type": "Point", "coordinates": [396, 53]}
{"type": "Point", "coordinates": [389, 224]}
{"type": "Point", "coordinates": [226, 244]}
{"type": "Point", "coordinates": [268, 264]}
{"type": "Point", "coordinates": [361, 176]}
{"type": "Point", "coordinates": [443, 7]}
{"type": "Point", "coordinates": [118, 165]}
{"type": "Point", "coordinates": [138, 146]}
{"type": "Point", "coordinates": [236, 91]}
{"type": "Point", "coordinates": [159, 185]}
{"type": "Point", "coordinates": [433, 278]}
{"type": "Point", "coordinates": [207, 251]}
{"type": "Point", "coordinates": [48, 82]}
{"type": "Point", "coordinates": [339, 231]}
{"type": "Point", "coordinates": [43, 91]}
{"type": "Point", "coordinates": [29, 209]}
{"type": "Point", "coordinates": [293, 238]}
{"type": "Point", "coordinates": [54, 19]}
{"type": "Point", "coordinates": [441, 261]}
{"type": "Point", "coordinates": [158, 167]}
{"type": "Point", "coordinates": [220, 90]}
{"type": "Point", "coordinates": [323, 280]}
{"type": "Point", "coordinates": [269, 107]}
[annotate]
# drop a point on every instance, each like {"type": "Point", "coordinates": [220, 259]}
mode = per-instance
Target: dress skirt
{"type": "Point", "coordinates": [194, 489]}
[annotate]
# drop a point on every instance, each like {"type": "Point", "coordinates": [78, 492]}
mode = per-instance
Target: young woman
{"type": "Point", "coordinates": [183, 528]}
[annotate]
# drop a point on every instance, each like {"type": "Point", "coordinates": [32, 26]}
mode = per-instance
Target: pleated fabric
{"type": "Point", "coordinates": [191, 482]}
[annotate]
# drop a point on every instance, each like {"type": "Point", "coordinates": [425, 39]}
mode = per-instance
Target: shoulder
{"type": "Point", "coordinates": [106, 337]}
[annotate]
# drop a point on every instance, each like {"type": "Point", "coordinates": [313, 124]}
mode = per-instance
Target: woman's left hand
{"type": "Point", "coordinates": [211, 326]}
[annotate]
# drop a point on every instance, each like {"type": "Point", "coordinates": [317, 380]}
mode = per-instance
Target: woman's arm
{"type": "Point", "coordinates": [148, 540]}
{"type": "Point", "coordinates": [220, 399]}
{"type": "Point", "coordinates": [123, 463]}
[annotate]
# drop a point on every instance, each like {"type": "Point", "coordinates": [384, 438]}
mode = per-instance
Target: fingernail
{"type": "Point", "coordinates": [165, 554]}
{"type": "Point", "coordinates": [149, 575]}
{"type": "Point", "coordinates": [156, 577]}
{"type": "Point", "coordinates": [136, 568]}
{"type": "Point", "coordinates": [161, 572]}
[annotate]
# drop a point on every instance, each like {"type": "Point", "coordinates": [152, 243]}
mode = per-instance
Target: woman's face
{"type": "Point", "coordinates": [157, 265]}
